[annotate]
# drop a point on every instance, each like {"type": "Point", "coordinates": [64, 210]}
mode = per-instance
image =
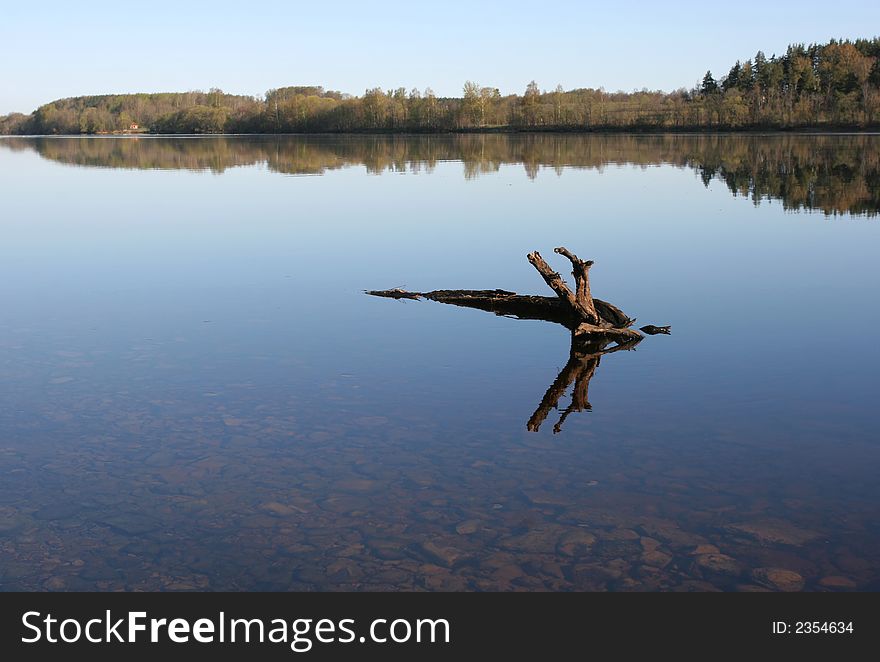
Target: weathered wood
{"type": "Point", "coordinates": [578, 311]}
{"type": "Point", "coordinates": [581, 273]}
{"type": "Point", "coordinates": [585, 329]}
{"type": "Point", "coordinates": [510, 304]}
{"type": "Point", "coordinates": [556, 283]}
{"type": "Point", "coordinates": [612, 314]}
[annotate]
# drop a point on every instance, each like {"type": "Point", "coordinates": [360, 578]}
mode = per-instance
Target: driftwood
{"type": "Point", "coordinates": [584, 315]}
{"type": "Point", "coordinates": [597, 327]}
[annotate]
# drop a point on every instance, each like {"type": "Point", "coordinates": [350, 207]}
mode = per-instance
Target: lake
{"type": "Point", "coordinates": [198, 395]}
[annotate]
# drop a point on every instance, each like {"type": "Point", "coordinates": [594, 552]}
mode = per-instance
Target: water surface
{"type": "Point", "coordinates": [196, 394]}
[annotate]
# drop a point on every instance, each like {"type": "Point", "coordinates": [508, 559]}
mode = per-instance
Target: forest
{"type": "Point", "coordinates": [832, 85]}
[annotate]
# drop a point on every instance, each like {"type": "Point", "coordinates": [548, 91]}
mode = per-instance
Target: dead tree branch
{"type": "Point", "coordinates": [581, 273]}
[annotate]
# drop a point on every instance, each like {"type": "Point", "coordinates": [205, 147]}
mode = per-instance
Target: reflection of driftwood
{"type": "Point", "coordinates": [582, 363]}
{"type": "Point", "coordinates": [594, 325]}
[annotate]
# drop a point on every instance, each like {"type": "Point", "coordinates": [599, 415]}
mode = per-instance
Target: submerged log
{"type": "Point", "coordinates": [577, 311]}
{"type": "Point", "coordinates": [500, 302]}
{"type": "Point", "coordinates": [597, 327]}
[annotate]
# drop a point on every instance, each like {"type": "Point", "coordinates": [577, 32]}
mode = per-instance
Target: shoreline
{"type": "Point", "coordinates": [809, 130]}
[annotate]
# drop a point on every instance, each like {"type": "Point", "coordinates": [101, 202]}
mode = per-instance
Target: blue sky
{"type": "Point", "coordinates": [71, 48]}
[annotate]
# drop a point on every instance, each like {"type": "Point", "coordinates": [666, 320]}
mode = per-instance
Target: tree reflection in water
{"type": "Point", "coordinates": [834, 174]}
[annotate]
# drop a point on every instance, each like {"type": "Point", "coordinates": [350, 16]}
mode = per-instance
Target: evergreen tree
{"type": "Point", "coordinates": [709, 86]}
{"type": "Point", "coordinates": [732, 80]}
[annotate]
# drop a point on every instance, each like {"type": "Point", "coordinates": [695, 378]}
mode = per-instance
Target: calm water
{"type": "Point", "coordinates": [195, 393]}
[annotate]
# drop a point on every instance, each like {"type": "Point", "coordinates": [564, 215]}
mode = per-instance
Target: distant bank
{"type": "Point", "coordinates": [832, 86]}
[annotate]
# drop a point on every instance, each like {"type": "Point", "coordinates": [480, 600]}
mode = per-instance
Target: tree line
{"type": "Point", "coordinates": [836, 84]}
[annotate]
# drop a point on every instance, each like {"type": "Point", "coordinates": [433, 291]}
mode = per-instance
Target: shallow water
{"type": "Point", "coordinates": [195, 393]}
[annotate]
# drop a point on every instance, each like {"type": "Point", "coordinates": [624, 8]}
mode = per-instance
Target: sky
{"type": "Point", "coordinates": [71, 49]}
